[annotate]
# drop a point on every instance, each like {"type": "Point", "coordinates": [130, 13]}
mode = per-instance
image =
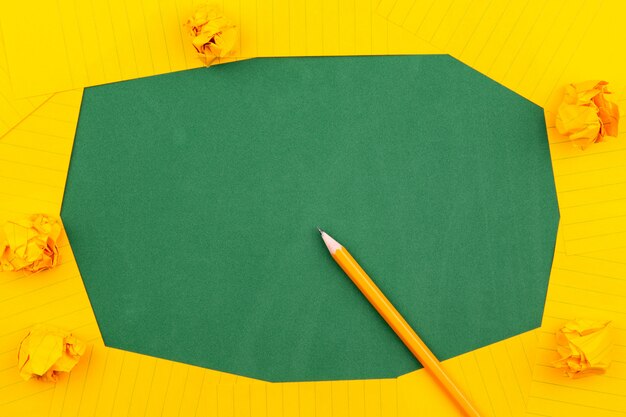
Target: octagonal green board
{"type": "Point", "coordinates": [193, 199]}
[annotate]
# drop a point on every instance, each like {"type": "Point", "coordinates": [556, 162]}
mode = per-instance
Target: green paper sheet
{"type": "Point", "coordinates": [193, 199]}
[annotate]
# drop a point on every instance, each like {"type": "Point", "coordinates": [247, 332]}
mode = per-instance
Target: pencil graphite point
{"type": "Point", "coordinates": [320, 230]}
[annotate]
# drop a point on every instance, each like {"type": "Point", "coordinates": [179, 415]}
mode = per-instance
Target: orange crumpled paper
{"type": "Point", "coordinates": [213, 35]}
{"type": "Point", "coordinates": [46, 351]}
{"type": "Point", "coordinates": [30, 243]}
{"type": "Point", "coordinates": [585, 347]}
{"type": "Point", "coordinates": [585, 115]}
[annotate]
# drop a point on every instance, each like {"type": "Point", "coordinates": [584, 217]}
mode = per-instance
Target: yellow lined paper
{"type": "Point", "coordinates": [531, 46]}
{"type": "Point", "coordinates": [35, 157]}
{"type": "Point", "coordinates": [113, 382]}
{"type": "Point", "coordinates": [91, 43]}
{"type": "Point", "coordinates": [496, 378]}
{"type": "Point", "coordinates": [591, 190]}
{"type": "Point", "coordinates": [13, 110]}
{"type": "Point", "coordinates": [582, 286]}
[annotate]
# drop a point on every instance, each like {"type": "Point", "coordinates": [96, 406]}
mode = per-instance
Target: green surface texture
{"type": "Point", "coordinates": [193, 197]}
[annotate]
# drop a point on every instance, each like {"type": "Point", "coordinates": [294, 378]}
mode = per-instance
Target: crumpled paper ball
{"type": "Point", "coordinates": [585, 347]}
{"type": "Point", "coordinates": [30, 243]}
{"type": "Point", "coordinates": [585, 115]}
{"type": "Point", "coordinates": [47, 351]}
{"type": "Point", "coordinates": [213, 35]}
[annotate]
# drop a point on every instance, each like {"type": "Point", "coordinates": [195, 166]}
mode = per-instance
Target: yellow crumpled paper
{"type": "Point", "coordinates": [213, 35]}
{"type": "Point", "coordinates": [30, 244]}
{"type": "Point", "coordinates": [585, 347]}
{"type": "Point", "coordinates": [46, 351]}
{"type": "Point", "coordinates": [585, 115]}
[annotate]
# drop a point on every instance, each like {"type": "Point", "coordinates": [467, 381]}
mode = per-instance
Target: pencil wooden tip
{"type": "Point", "coordinates": [332, 245]}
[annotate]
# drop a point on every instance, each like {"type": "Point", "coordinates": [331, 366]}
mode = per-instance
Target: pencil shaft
{"type": "Point", "coordinates": [401, 328]}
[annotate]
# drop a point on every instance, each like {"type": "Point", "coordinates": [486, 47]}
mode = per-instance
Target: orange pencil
{"type": "Point", "coordinates": [396, 321]}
